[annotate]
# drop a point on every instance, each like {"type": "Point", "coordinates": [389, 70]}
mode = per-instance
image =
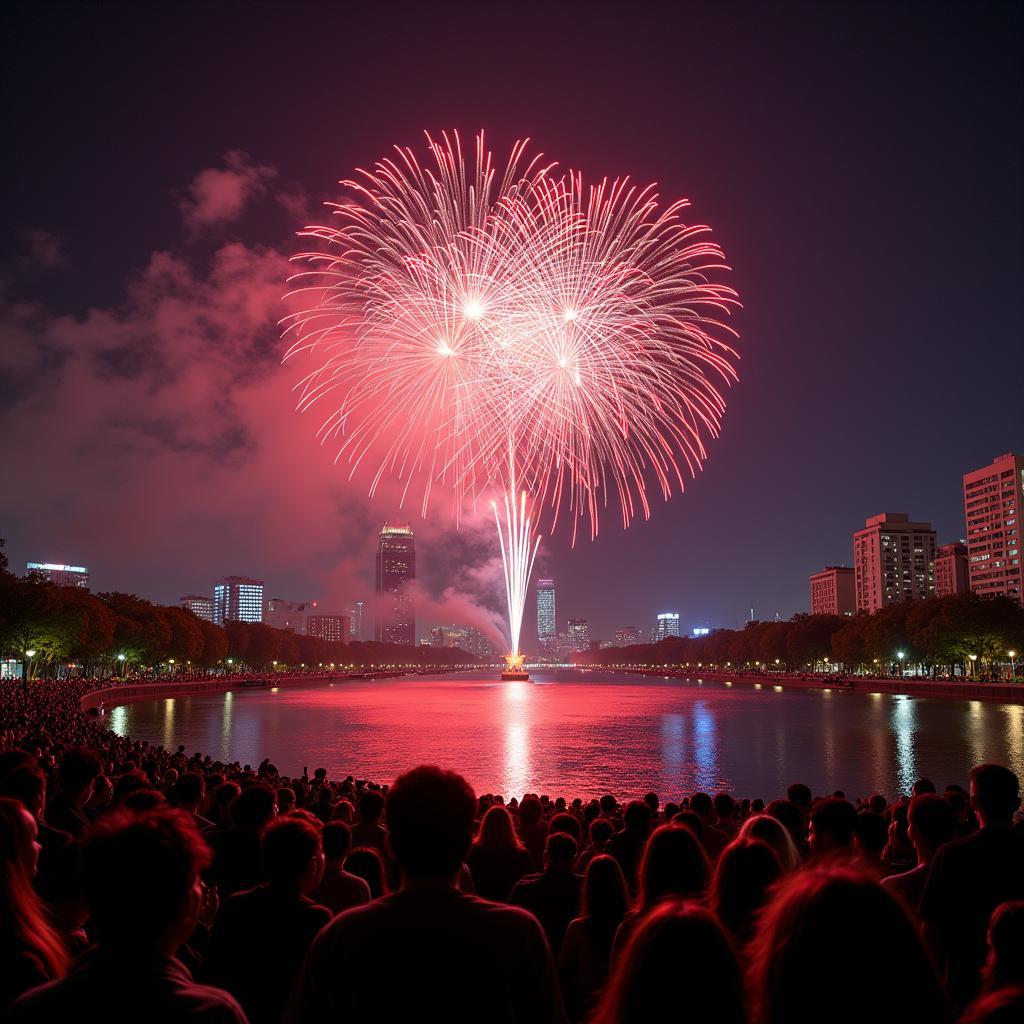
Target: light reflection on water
{"type": "Point", "coordinates": [587, 734]}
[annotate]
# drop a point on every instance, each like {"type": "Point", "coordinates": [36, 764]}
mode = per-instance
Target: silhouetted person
{"type": "Point", "coordinates": [930, 824]}
{"type": "Point", "coordinates": [714, 839]}
{"type": "Point", "coordinates": [869, 839]}
{"type": "Point", "coordinates": [677, 965]}
{"type": "Point", "coordinates": [261, 935]}
{"type": "Point", "coordinates": [429, 951]}
{"type": "Point", "coordinates": [1004, 965]}
{"type": "Point", "coordinates": [599, 835]}
{"type": "Point", "coordinates": [31, 949]}
{"type": "Point", "coordinates": [498, 859]}
{"type": "Point", "coordinates": [586, 949]}
{"type": "Point", "coordinates": [833, 824]}
{"type": "Point", "coordinates": [368, 831]}
{"type": "Point", "coordinates": [533, 830]}
{"type": "Point", "coordinates": [770, 830]}
{"type": "Point", "coordinates": [627, 845]}
{"type": "Point", "coordinates": [725, 811]}
{"type": "Point", "coordinates": [188, 794]}
{"type": "Point", "coordinates": [237, 861]}
{"type": "Point", "coordinates": [794, 820]}
{"type": "Point", "coordinates": [553, 896]}
{"type": "Point", "coordinates": [830, 923]}
{"type": "Point", "coordinates": [970, 877]}
{"type": "Point", "coordinates": [674, 866]}
{"type": "Point", "coordinates": [141, 881]}
{"type": "Point", "coordinates": [338, 889]}
{"type": "Point", "coordinates": [78, 769]}
{"type": "Point", "coordinates": [366, 863]}
{"type": "Point", "coordinates": [744, 876]}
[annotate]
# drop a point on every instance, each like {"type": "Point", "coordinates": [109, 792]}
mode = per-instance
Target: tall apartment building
{"type": "Point", "coordinates": [893, 560]}
{"type": "Point", "coordinates": [578, 635]}
{"type": "Point", "coordinates": [237, 599]}
{"type": "Point", "coordinates": [201, 607]}
{"type": "Point", "coordinates": [396, 569]}
{"type": "Point", "coordinates": [834, 591]}
{"type": "Point", "coordinates": [61, 575]}
{"type": "Point", "coordinates": [547, 632]}
{"type": "Point", "coordinates": [667, 625]}
{"type": "Point", "coordinates": [951, 573]}
{"type": "Point", "coordinates": [993, 498]}
{"type": "Point", "coordinates": [628, 636]}
{"type": "Point", "coordinates": [328, 627]}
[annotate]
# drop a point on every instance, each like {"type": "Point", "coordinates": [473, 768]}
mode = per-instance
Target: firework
{"type": "Point", "coordinates": [516, 333]}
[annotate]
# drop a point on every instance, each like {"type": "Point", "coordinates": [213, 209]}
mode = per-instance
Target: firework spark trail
{"type": "Point", "coordinates": [480, 330]}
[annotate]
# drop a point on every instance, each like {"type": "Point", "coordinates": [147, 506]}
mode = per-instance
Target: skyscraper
{"type": "Point", "coordinates": [61, 575]}
{"type": "Point", "coordinates": [328, 627]}
{"type": "Point", "coordinates": [628, 636]}
{"type": "Point", "coordinates": [834, 591]}
{"type": "Point", "coordinates": [668, 625]}
{"type": "Point", "coordinates": [547, 633]}
{"type": "Point", "coordinates": [578, 634]}
{"type": "Point", "coordinates": [951, 572]}
{"type": "Point", "coordinates": [201, 607]}
{"type": "Point", "coordinates": [993, 498]}
{"type": "Point", "coordinates": [396, 568]}
{"type": "Point", "coordinates": [237, 599]}
{"type": "Point", "coordinates": [894, 560]}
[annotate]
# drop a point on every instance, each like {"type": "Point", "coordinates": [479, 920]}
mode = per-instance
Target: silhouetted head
{"type": "Point", "coordinates": [832, 922]}
{"type": "Point", "coordinates": [995, 794]}
{"type": "Point", "coordinates": [800, 796]}
{"type": "Point", "coordinates": [530, 810]}
{"type": "Point", "coordinates": [922, 786]}
{"type": "Point", "coordinates": [1005, 963]}
{"type": "Point", "coordinates": [605, 896]}
{"type": "Point", "coordinates": [497, 832]}
{"type": "Point", "coordinates": [78, 768]}
{"type": "Point", "coordinates": [744, 876]}
{"type": "Point", "coordinates": [674, 864]}
{"type": "Point", "coordinates": [371, 807]}
{"type": "Point", "coordinates": [833, 823]}
{"type": "Point", "coordinates": [637, 816]}
{"type": "Point", "coordinates": [336, 838]}
{"type": "Point", "coordinates": [254, 806]}
{"type": "Point", "coordinates": [680, 941]}
{"type": "Point", "coordinates": [430, 822]}
{"type": "Point", "coordinates": [566, 823]}
{"type": "Point", "coordinates": [770, 830]}
{"type": "Point", "coordinates": [725, 806]}
{"type": "Point", "coordinates": [366, 863]}
{"type": "Point", "coordinates": [560, 851]}
{"type": "Point", "coordinates": [930, 823]}
{"type": "Point", "coordinates": [140, 877]}
{"type": "Point", "coordinates": [292, 854]}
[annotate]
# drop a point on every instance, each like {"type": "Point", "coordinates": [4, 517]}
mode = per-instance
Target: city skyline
{"type": "Point", "coordinates": [161, 437]}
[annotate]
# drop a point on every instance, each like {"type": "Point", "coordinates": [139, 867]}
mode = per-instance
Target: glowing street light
{"type": "Point", "coordinates": [1013, 669]}
{"type": "Point", "coordinates": [972, 658]}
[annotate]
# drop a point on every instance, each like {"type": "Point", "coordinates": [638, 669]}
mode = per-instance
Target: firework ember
{"type": "Point", "coordinates": [513, 336]}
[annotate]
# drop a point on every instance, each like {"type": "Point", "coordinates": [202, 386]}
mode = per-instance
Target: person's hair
{"type": "Point", "coordinates": [701, 804]}
{"type": "Point", "coordinates": [673, 864]}
{"type": "Point", "coordinates": [253, 807]}
{"type": "Point", "coordinates": [872, 832]}
{"type": "Point", "coordinates": [144, 798]}
{"type": "Point", "coordinates": [188, 790]}
{"type": "Point", "coordinates": [497, 833]}
{"type": "Point", "coordinates": [1001, 1006]}
{"type": "Point", "coordinates": [725, 806]}
{"type": "Point", "coordinates": [933, 819]}
{"type": "Point", "coordinates": [835, 817]}
{"type": "Point", "coordinates": [773, 832]}
{"type": "Point", "coordinates": [138, 871]}
{"type": "Point", "coordinates": [343, 811]}
{"type": "Point", "coordinates": [690, 820]}
{"type": "Point", "coordinates": [790, 815]}
{"type": "Point", "coordinates": [288, 845]}
{"type": "Point", "coordinates": [605, 896]}
{"type": "Point", "coordinates": [285, 798]}
{"type": "Point", "coordinates": [608, 803]}
{"type": "Point", "coordinates": [922, 786]}
{"type": "Point", "coordinates": [565, 822]}
{"type": "Point", "coordinates": [23, 921]}
{"type": "Point", "coordinates": [637, 816]}
{"type": "Point", "coordinates": [78, 768]}
{"type": "Point", "coordinates": [26, 783]}
{"type": "Point", "coordinates": [1005, 963]}
{"type": "Point", "coordinates": [224, 796]}
{"type": "Point", "coordinates": [799, 795]}
{"type": "Point", "coordinates": [682, 941]}
{"type": "Point", "coordinates": [996, 790]}
{"type": "Point", "coordinates": [430, 821]}
{"type": "Point", "coordinates": [744, 876]}
{"type": "Point", "coordinates": [652, 801]}
{"type": "Point", "coordinates": [560, 849]}
{"type": "Point", "coordinates": [600, 831]}
{"type": "Point", "coordinates": [366, 863]}
{"type": "Point", "coordinates": [832, 915]}
{"type": "Point", "coordinates": [530, 811]}
{"type": "Point", "coordinates": [371, 807]}
{"type": "Point", "coordinates": [336, 837]}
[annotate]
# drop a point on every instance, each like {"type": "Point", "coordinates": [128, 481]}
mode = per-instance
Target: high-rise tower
{"type": "Point", "coordinates": [547, 634]}
{"type": "Point", "coordinates": [993, 499]}
{"type": "Point", "coordinates": [396, 568]}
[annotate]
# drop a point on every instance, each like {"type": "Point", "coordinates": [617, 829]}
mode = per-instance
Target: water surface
{"type": "Point", "coordinates": [576, 734]}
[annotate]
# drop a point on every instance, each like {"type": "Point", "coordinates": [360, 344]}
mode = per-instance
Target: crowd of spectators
{"type": "Point", "coordinates": [146, 883]}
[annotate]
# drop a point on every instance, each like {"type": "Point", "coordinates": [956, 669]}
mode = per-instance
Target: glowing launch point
{"type": "Point", "coordinates": [514, 671]}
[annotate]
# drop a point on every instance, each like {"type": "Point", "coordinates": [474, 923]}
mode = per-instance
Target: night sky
{"type": "Point", "coordinates": [860, 164]}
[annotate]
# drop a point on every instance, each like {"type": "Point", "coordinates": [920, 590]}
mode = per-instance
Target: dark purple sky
{"type": "Point", "coordinates": [861, 165]}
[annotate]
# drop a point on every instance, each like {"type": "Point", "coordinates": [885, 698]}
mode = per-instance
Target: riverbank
{"type": "Point", "coordinates": [910, 686]}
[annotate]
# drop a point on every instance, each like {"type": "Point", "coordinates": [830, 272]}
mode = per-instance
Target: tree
{"type": "Point", "coordinates": [186, 643]}
{"type": "Point", "coordinates": [215, 644]}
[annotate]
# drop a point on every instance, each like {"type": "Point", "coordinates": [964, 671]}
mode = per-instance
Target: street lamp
{"type": "Point", "coordinates": [1013, 670]}
{"type": "Point", "coordinates": [973, 658]}
{"type": "Point", "coordinates": [900, 655]}
{"type": "Point", "coordinates": [30, 653]}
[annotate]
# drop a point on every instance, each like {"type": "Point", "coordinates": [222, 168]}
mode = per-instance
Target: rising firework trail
{"type": "Point", "coordinates": [516, 336]}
